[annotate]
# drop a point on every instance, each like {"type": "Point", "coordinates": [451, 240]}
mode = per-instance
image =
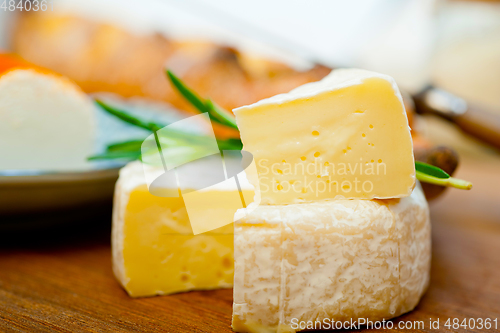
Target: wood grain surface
{"type": "Point", "coordinates": [60, 280]}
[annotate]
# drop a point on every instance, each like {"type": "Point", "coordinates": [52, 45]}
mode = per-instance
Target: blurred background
{"type": "Point", "coordinates": [407, 39]}
{"type": "Point", "coordinates": [122, 46]}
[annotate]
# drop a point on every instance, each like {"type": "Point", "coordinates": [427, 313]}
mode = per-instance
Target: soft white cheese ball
{"type": "Point", "coordinates": [46, 122]}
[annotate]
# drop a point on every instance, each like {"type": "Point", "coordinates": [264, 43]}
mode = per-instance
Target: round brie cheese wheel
{"type": "Point", "coordinates": [330, 261]}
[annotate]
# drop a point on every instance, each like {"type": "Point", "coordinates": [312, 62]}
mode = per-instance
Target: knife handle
{"type": "Point", "coordinates": [470, 118]}
{"type": "Point", "coordinates": [481, 124]}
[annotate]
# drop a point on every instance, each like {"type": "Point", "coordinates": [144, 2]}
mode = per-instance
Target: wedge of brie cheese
{"type": "Point", "coordinates": [346, 136]}
{"type": "Point", "coordinates": [338, 260]}
{"type": "Point", "coordinates": [47, 122]}
{"type": "Point", "coordinates": [154, 249]}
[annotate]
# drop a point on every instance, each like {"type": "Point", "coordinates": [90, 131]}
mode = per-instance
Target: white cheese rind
{"type": "Point", "coordinates": [337, 79]}
{"type": "Point", "coordinates": [132, 176]}
{"type": "Point", "coordinates": [337, 259]}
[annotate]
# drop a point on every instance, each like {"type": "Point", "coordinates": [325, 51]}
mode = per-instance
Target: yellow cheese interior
{"type": "Point", "coordinates": [162, 256]}
{"type": "Point", "coordinates": [353, 142]}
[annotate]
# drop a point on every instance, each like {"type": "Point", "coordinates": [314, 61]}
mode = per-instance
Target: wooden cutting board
{"type": "Point", "coordinates": [60, 280]}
